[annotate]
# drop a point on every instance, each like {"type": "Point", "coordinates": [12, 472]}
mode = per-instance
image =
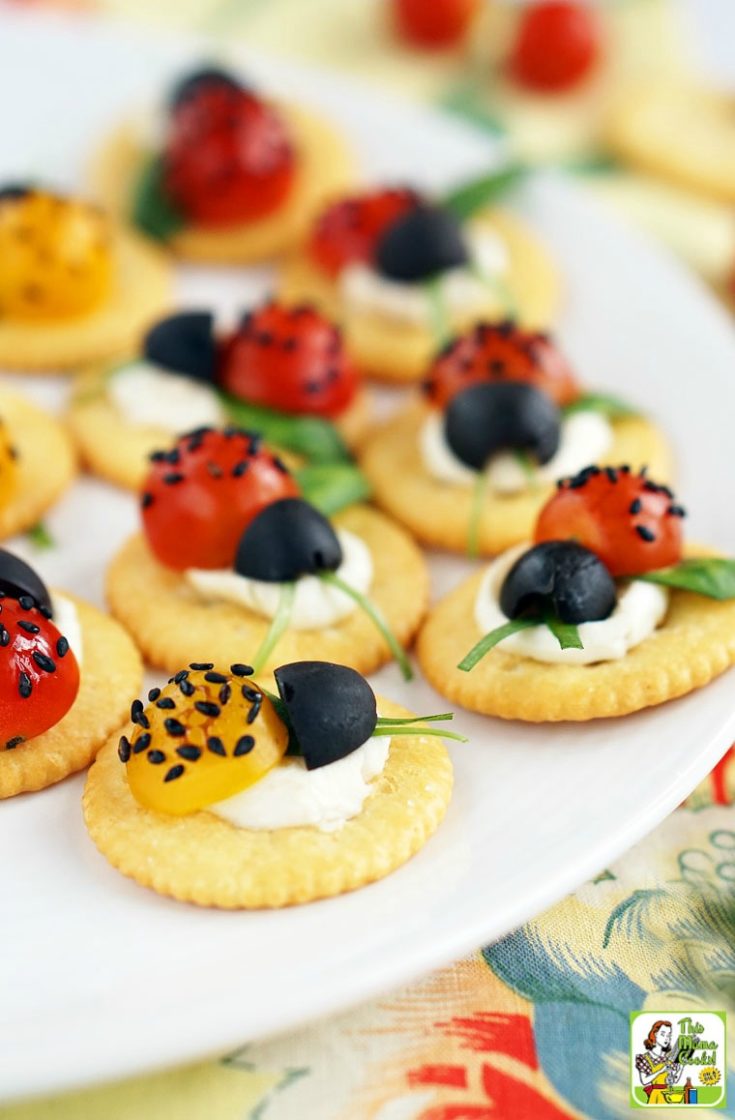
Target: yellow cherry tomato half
{"type": "Point", "coordinates": [8, 468]}
{"type": "Point", "coordinates": [205, 737]}
{"type": "Point", "coordinates": [55, 257]}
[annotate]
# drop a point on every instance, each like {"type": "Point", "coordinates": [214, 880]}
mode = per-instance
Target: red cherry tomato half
{"type": "Point", "coordinates": [229, 158]}
{"type": "Point", "coordinates": [291, 359]}
{"type": "Point", "coordinates": [630, 522]}
{"type": "Point", "coordinates": [557, 45]}
{"type": "Point", "coordinates": [349, 230]}
{"type": "Point", "coordinates": [199, 497]}
{"type": "Point", "coordinates": [433, 23]}
{"type": "Point", "coordinates": [39, 674]}
{"type": "Point", "coordinates": [500, 352]}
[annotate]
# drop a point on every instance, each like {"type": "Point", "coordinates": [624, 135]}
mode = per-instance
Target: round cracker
{"type": "Point", "coordinates": [206, 860]}
{"type": "Point", "coordinates": [400, 352]}
{"type": "Point", "coordinates": [695, 644]}
{"type": "Point", "coordinates": [111, 676]}
{"type": "Point", "coordinates": [679, 132]}
{"type": "Point", "coordinates": [142, 292]}
{"type": "Point", "coordinates": [438, 513]}
{"type": "Point", "coordinates": [119, 451]}
{"type": "Point", "coordinates": [45, 466]}
{"type": "Point", "coordinates": [172, 625]}
{"type": "Point", "coordinates": [325, 170]}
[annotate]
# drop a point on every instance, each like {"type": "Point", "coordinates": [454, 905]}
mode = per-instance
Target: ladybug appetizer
{"type": "Point", "coordinates": [469, 466]}
{"type": "Point", "coordinates": [231, 176]}
{"type": "Point", "coordinates": [399, 270]}
{"type": "Point", "coordinates": [287, 796]}
{"type": "Point", "coordinates": [65, 673]}
{"type": "Point", "coordinates": [232, 551]}
{"type": "Point", "coordinates": [605, 612]}
{"type": "Point", "coordinates": [282, 370]}
{"type": "Point", "coordinates": [37, 464]}
{"type": "Point", "coordinates": [74, 285]}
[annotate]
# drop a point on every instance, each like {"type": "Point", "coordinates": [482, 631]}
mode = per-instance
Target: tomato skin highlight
{"type": "Point", "coordinates": [199, 498]}
{"type": "Point", "coordinates": [228, 159]}
{"type": "Point", "coordinates": [500, 352]}
{"type": "Point", "coordinates": [558, 44]}
{"type": "Point", "coordinates": [348, 231]}
{"type": "Point", "coordinates": [33, 698]}
{"type": "Point", "coordinates": [633, 524]}
{"type": "Point", "coordinates": [290, 359]}
{"type": "Point", "coordinates": [433, 23]}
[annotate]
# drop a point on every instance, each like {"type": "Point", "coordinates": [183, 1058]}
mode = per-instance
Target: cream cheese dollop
{"type": "Point", "coordinates": [290, 796]}
{"type": "Point", "coordinates": [66, 621]}
{"type": "Point", "coordinates": [640, 609]}
{"type": "Point", "coordinates": [146, 395]}
{"type": "Point", "coordinates": [316, 604]}
{"type": "Point", "coordinates": [585, 438]}
{"type": "Point", "coordinates": [460, 289]}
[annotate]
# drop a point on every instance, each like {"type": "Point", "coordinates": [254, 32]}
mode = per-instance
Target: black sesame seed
{"type": "Point", "coordinates": [13, 743]}
{"type": "Point", "coordinates": [4, 636]}
{"type": "Point", "coordinates": [27, 602]}
{"type": "Point", "coordinates": [201, 665]}
{"type": "Point", "coordinates": [189, 752]}
{"type": "Point", "coordinates": [676, 511]}
{"type": "Point", "coordinates": [174, 726]}
{"type": "Point", "coordinates": [123, 750]}
{"type": "Point", "coordinates": [645, 533]}
{"type": "Point", "coordinates": [187, 688]}
{"type": "Point", "coordinates": [171, 478]}
{"type": "Point", "coordinates": [173, 773]}
{"type": "Point", "coordinates": [44, 663]}
{"type": "Point", "coordinates": [225, 693]}
{"type": "Point", "coordinates": [255, 710]}
{"type": "Point", "coordinates": [215, 678]}
{"type": "Point", "coordinates": [207, 708]}
{"type": "Point", "coordinates": [146, 499]}
{"type": "Point", "coordinates": [249, 693]}
{"type": "Point", "coordinates": [239, 468]}
{"type": "Point", "coordinates": [156, 757]}
{"type": "Point", "coordinates": [29, 627]}
{"type": "Point", "coordinates": [45, 612]}
{"type": "Point", "coordinates": [157, 456]}
{"type": "Point", "coordinates": [611, 473]}
{"type": "Point", "coordinates": [240, 670]}
{"type": "Point", "coordinates": [635, 506]}
{"type": "Point", "coordinates": [165, 703]}
{"type": "Point", "coordinates": [142, 743]}
{"type": "Point", "coordinates": [62, 647]}
{"type": "Point", "coordinates": [137, 714]}
{"type": "Point", "coordinates": [180, 676]}
{"type": "Point", "coordinates": [216, 746]}
{"type": "Point", "coordinates": [154, 694]}
{"type": "Point", "coordinates": [243, 745]}
{"type": "Point", "coordinates": [25, 685]}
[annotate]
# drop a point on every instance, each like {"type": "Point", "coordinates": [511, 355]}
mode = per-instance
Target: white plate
{"type": "Point", "coordinates": [100, 978]}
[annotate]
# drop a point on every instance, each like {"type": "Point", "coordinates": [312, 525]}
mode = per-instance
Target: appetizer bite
{"type": "Point", "coordinates": [400, 271]}
{"type": "Point", "coordinates": [469, 466]}
{"type": "Point", "coordinates": [283, 371]}
{"type": "Point", "coordinates": [66, 674]}
{"type": "Point", "coordinates": [75, 286]}
{"type": "Point", "coordinates": [37, 463]}
{"type": "Point", "coordinates": [231, 553]}
{"type": "Point", "coordinates": [222, 793]}
{"type": "Point", "coordinates": [605, 613]}
{"type": "Point", "coordinates": [228, 176]}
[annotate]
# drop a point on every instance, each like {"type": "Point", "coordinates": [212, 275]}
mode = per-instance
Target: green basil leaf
{"type": "Point", "coordinates": [333, 486]}
{"type": "Point", "coordinates": [611, 407]}
{"type": "Point", "coordinates": [40, 537]}
{"type": "Point", "coordinates": [439, 319]}
{"type": "Point", "coordinates": [466, 200]}
{"type": "Point", "coordinates": [489, 641]}
{"type": "Point", "coordinates": [713, 576]}
{"type": "Point", "coordinates": [311, 436]}
{"type": "Point", "coordinates": [466, 101]}
{"type": "Point", "coordinates": [376, 617]}
{"type": "Point", "coordinates": [152, 211]}
{"type": "Point", "coordinates": [566, 633]}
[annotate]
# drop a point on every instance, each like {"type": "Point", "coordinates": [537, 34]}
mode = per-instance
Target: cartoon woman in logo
{"type": "Point", "coordinates": [657, 1069]}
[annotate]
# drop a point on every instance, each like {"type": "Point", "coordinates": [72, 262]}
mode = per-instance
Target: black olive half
{"type": "Point", "coordinates": [331, 709]}
{"type": "Point", "coordinates": [501, 416]}
{"type": "Point", "coordinates": [421, 243]}
{"type": "Point", "coordinates": [288, 539]}
{"type": "Point", "coordinates": [18, 578]}
{"type": "Point", "coordinates": [561, 576]}
{"type": "Point", "coordinates": [190, 85]}
{"type": "Point", "coordinates": [14, 190]}
{"type": "Point", "coordinates": [184, 343]}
